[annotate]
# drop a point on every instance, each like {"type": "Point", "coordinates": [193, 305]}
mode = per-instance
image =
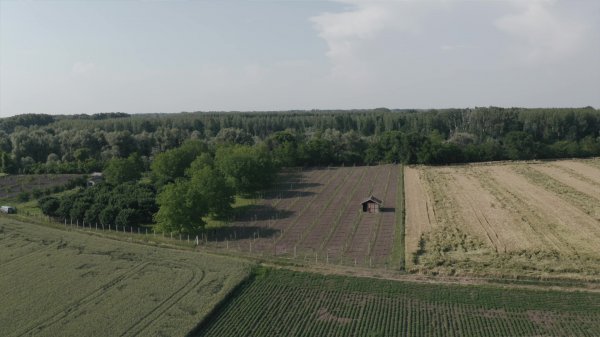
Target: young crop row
{"type": "Point", "coordinates": [284, 303]}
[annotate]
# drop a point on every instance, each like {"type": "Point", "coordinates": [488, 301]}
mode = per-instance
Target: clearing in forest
{"type": "Point", "coordinates": [59, 283]}
{"type": "Point", "coordinates": [539, 218]}
{"type": "Point", "coordinates": [316, 215]}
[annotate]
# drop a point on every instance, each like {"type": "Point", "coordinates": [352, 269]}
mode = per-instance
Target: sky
{"type": "Point", "coordinates": [67, 57]}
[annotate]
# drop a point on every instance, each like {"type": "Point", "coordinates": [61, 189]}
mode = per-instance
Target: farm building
{"type": "Point", "coordinates": [371, 205]}
{"type": "Point", "coordinates": [95, 178]}
{"type": "Point", "coordinates": [8, 209]}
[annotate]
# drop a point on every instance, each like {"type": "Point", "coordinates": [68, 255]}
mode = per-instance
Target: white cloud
{"type": "Point", "coordinates": [348, 32]}
{"type": "Point", "coordinates": [543, 33]}
{"type": "Point", "coordinates": [456, 52]}
{"type": "Point", "coordinates": [81, 68]}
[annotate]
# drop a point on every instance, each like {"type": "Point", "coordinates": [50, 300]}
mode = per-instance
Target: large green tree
{"type": "Point", "coordinates": [181, 208]}
{"type": "Point", "coordinates": [172, 164]}
{"type": "Point", "coordinates": [121, 170]}
{"type": "Point", "coordinates": [248, 169]}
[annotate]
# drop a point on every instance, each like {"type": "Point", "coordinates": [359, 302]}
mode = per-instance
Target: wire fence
{"type": "Point", "coordinates": [251, 244]}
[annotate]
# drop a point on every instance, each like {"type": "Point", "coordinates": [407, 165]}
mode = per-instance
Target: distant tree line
{"type": "Point", "coordinates": [86, 143]}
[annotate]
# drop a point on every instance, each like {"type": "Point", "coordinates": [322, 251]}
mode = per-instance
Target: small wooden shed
{"type": "Point", "coordinates": [371, 205]}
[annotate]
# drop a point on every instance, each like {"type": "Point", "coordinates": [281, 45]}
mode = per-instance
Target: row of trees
{"type": "Point", "coordinates": [127, 204]}
{"type": "Point", "coordinates": [74, 144]}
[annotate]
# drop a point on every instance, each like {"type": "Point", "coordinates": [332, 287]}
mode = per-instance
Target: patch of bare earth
{"type": "Point", "coordinates": [325, 316]}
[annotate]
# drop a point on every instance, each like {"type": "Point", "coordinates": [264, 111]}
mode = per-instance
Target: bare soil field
{"type": "Point", "coordinates": [315, 215]}
{"type": "Point", "coordinates": [63, 283]}
{"type": "Point", "coordinates": [524, 218]}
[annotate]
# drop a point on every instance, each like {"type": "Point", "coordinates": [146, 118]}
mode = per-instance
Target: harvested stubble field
{"type": "Point", "coordinates": [12, 185]}
{"type": "Point", "coordinates": [286, 303]}
{"type": "Point", "coordinates": [315, 215]}
{"type": "Point", "coordinates": [539, 219]}
{"type": "Point", "coordinates": [59, 283]}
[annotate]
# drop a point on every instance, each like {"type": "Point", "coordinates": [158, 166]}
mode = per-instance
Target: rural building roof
{"type": "Point", "coordinates": [373, 199]}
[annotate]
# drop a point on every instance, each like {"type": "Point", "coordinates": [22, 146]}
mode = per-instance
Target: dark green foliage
{"type": "Point", "coordinates": [78, 144]}
{"type": "Point", "coordinates": [248, 169]}
{"type": "Point", "coordinates": [121, 170]}
{"type": "Point", "coordinates": [49, 205]}
{"type": "Point", "coordinates": [212, 187]}
{"type": "Point", "coordinates": [7, 164]}
{"type": "Point", "coordinates": [23, 196]}
{"type": "Point", "coordinates": [181, 208]}
{"type": "Point", "coordinates": [129, 203]}
{"type": "Point", "coordinates": [126, 217]}
{"type": "Point", "coordinates": [172, 164]}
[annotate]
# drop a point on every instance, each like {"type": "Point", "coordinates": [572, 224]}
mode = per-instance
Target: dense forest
{"type": "Point", "coordinates": [36, 143]}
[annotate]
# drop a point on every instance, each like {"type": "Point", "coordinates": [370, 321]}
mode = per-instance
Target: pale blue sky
{"type": "Point", "coordinates": [171, 56]}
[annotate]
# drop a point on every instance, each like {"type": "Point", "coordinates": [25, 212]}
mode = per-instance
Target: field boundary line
{"type": "Point", "coordinates": [398, 248]}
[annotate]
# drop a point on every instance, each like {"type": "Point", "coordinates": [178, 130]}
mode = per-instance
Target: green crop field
{"type": "Point", "coordinates": [286, 303]}
{"type": "Point", "coordinates": [63, 283]}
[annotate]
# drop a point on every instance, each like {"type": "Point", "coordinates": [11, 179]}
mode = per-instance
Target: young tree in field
{"type": "Point", "coordinates": [121, 170]}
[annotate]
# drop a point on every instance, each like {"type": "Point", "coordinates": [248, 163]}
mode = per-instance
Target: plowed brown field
{"type": "Point", "coordinates": [315, 215]}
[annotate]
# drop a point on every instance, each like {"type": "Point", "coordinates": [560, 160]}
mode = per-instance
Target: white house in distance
{"type": "Point", "coordinates": [95, 178]}
{"type": "Point", "coordinates": [8, 209]}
